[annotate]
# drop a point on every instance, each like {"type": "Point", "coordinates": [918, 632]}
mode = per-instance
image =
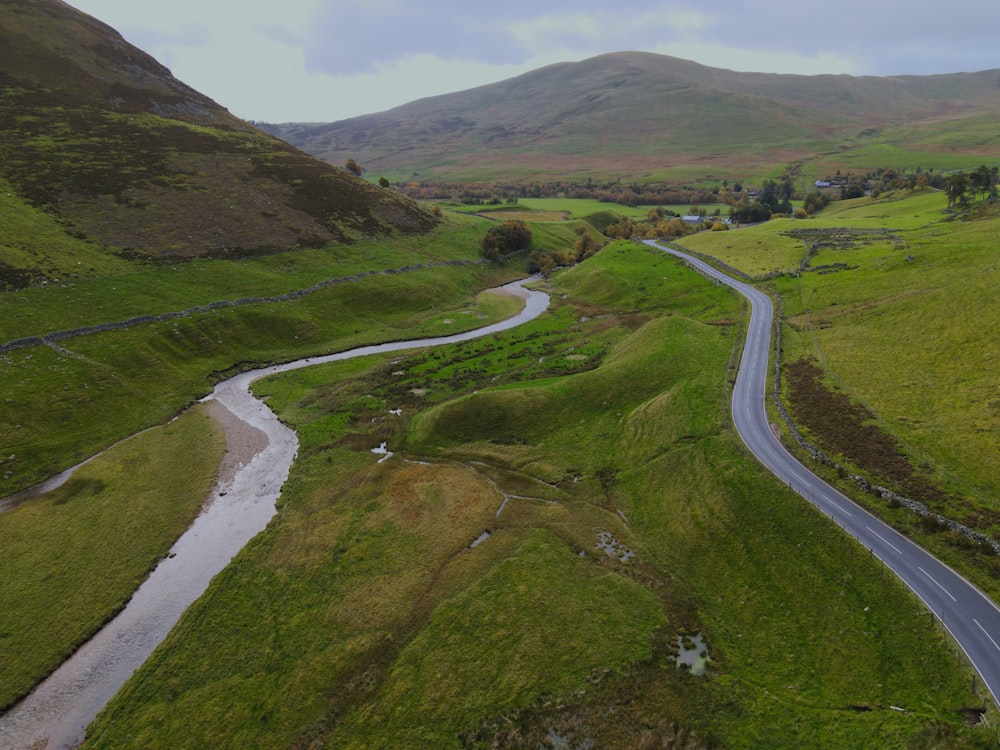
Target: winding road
{"type": "Point", "coordinates": [971, 618]}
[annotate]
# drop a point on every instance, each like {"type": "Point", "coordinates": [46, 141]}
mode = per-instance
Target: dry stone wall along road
{"type": "Point", "coordinates": [971, 618]}
{"type": "Point", "coordinates": [56, 714]}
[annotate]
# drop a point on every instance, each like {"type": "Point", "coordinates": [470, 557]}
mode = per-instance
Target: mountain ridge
{"type": "Point", "coordinates": [643, 111]}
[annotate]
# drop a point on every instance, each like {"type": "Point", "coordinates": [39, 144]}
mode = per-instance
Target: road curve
{"type": "Point", "coordinates": [971, 618]}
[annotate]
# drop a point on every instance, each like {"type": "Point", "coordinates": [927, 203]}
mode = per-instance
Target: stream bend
{"type": "Point", "coordinates": [56, 714]}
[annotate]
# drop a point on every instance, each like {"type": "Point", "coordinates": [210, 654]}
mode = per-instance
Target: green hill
{"type": "Point", "coordinates": [568, 514]}
{"type": "Point", "coordinates": [651, 116]}
{"type": "Point", "coordinates": [114, 149]}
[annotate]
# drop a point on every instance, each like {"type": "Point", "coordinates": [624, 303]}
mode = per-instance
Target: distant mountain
{"type": "Point", "coordinates": [98, 133]}
{"type": "Point", "coordinates": [638, 114]}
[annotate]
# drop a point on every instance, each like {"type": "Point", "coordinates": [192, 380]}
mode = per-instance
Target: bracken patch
{"type": "Point", "coordinates": [849, 429]}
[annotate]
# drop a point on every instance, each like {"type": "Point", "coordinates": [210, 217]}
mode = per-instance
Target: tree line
{"type": "Point", "coordinates": [607, 191]}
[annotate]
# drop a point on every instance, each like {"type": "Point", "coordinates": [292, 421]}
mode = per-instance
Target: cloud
{"type": "Point", "coordinates": [885, 38]}
{"type": "Point", "coordinates": [331, 59]}
{"type": "Point", "coordinates": [889, 37]}
{"type": "Point", "coordinates": [354, 38]}
{"type": "Point", "coordinates": [606, 30]}
{"type": "Point", "coordinates": [357, 39]}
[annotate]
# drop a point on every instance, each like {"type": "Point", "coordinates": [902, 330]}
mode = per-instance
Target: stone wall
{"type": "Point", "coordinates": [50, 339]}
{"type": "Point", "coordinates": [893, 498]}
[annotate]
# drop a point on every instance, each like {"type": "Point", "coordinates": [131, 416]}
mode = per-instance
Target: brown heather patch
{"type": "Point", "coordinates": [849, 429]}
{"type": "Point", "coordinates": [100, 135]}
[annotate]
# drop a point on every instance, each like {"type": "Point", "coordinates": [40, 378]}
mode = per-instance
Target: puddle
{"type": "Point", "coordinates": [382, 451]}
{"type": "Point", "coordinates": [610, 546]}
{"type": "Point", "coordinates": [692, 653]}
{"type": "Point", "coordinates": [480, 539]}
{"type": "Point", "coordinates": [559, 741]}
{"type": "Point", "coordinates": [506, 499]}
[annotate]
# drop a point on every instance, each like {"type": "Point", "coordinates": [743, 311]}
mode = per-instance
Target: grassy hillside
{"type": "Point", "coordinates": [566, 511]}
{"type": "Point", "coordinates": [653, 117]}
{"type": "Point", "coordinates": [65, 402]}
{"type": "Point", "coordinates": [119, 153]}
{"type": "Point", "coordinates": [897, 309]}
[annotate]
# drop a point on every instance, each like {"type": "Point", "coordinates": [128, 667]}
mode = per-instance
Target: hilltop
{"type": "Point", "coordinates": [102, 138]}
{"type": "Point", "coordinates": [642, 115]}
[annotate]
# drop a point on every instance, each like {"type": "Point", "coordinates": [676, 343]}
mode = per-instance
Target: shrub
{"type": "Point", "coordinates": [506, 237]}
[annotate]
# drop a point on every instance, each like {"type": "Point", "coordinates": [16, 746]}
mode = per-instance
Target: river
{"type": "Point", "coordinates": [55, 716]}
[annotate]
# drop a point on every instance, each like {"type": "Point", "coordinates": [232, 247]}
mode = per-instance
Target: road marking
{"type": "Point", "coordinates": [936, 583]}
{"type": "Point", "coordinates": [986, 634]}
{"type": "Point", "coordinates": [832, 502]}
{"type": "Point", "coordinates": [883, 539]}
{"type": "Point", "coordinates": [841, 508]}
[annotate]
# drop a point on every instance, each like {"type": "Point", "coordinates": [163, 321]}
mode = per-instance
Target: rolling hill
{"type": "Point", "coordinates": [651, 116]}
{"type": "Point", "coordinates": [568, 516]}
{"type": "Point", "coordinates": [100, 136]}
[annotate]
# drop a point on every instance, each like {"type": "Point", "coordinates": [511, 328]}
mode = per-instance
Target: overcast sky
{"type": "Point", "coordinates": [326, 60]}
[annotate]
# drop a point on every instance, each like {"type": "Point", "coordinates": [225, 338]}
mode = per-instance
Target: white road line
{"type": "Point", "coordinates": [884, 539]}
{"type": "Point", "coordinates": [831, 502]}
{"type": "Point", "coordinates": [986, 634]}
{"type": "Point", "coordinates": [840, 506]}
{"type": "Point", "coordinates": [937, 584]}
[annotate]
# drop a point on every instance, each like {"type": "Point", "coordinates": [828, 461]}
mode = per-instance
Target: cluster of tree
{"type": "Point", "coordinates": [506, 237]}
{"type": "Point", "coordinates": [963, 188]}
{"type": "Point", "coordinates": [544, 261]}
{"type": "Point", "coordinates": [354, 168]}
{"type": "Point", "coordinates": [882, 180]}
{"type": "Point", "coordinates": [774, 198]}
{"type": "Point", "coordinates": [885, 179]}
{"type": "Point", "coordinates": [660, 224]}
{"type": "Point", "coordinates": [815, 201]}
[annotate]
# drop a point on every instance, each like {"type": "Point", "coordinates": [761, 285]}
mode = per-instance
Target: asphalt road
{"type": "Point", "coordinates": [971, 618]}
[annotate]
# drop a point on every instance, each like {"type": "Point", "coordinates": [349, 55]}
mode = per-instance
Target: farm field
{"type": "Point", "coordinates": [565, 209]}
{"type": "Point", "coordinates": [579, 208]}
